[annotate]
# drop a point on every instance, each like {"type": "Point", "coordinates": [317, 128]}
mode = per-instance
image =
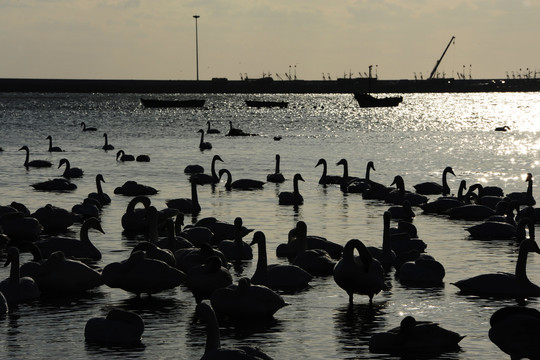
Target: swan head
{"type": "Point", "coordinates": [216, 158]}
{"type": "Point", "coordinates": [321, 162]}
{"type": "Point", "coordinates": [118, 153]}
{"type": "Point", "coordinates": [398, 181]}
{"type": "Point", "coordinates": [370, 165]}
{"type": "Point", "coordinates": [93, 223]}
{"type": "Point", "coordinates": [238, 222]}
{"type": "Point", "coordinates": [24, 147]}
{"type": "Point", "coordinates": [449, 170]}
{"type": "Point", "coordinates": [201, 131]}
{"type": "Point", "coordinates": [258, 238]}
{"type": "Point", "coordinates": [99, 177]}
{"type": "Point", "coordinates": [342, 162]}
{"type": "Point", "coordinates": [62, 162]}
{"type": "Point", "coordinates": [298, 177]}
{"type": "Point", "coordinates": [301, 228]}
{"type": "Point", "coordinates": [529, 177]}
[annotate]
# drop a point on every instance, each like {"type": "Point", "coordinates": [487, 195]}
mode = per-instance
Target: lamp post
{"type": "Point", "coordinates": [197, 44]}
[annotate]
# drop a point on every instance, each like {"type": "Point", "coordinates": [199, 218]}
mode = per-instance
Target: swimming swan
{"type": "Point", "coordinates": [433, 188]}
{"type": "Point", "coordinates": [100, 196]}
{"type": "Point", "coordinates": [84, 128]}
{"type": "Point", "coordinates": [326, 179]}
{"type": "Point", "coordinates": [69, 172]}
{"type": "Point", "coordinates": [317, 262]}
{"type": "Point", "coordinates": [204, 145]}
{"type": "Point", "coordinates": [187, 205]}
{"type": "Point", "coordinates": [122, 156]}
{"type": "Point", "coordinates": [200, 178]}
{"type": "Point", "coordinates": [53, 148]}
{"type": "Point", "coordinates": [119, 327]}
{"type": "Point", "coordinates": [276, 177]}
{"type": "Point", "coordinates": [17, 289]}
{"type": "Point", "coordinates": [294, 197]}
{"type": "Point", "coordinates": [107, 146]}
{"type": "Point", "coordinates": [240, 184]}
{"type": "Point", "coordinates": [204, 279]}
{"type": "Point", "coordinates": [210, 130]}
{"type": "Point", "coordinates": [59, 184]}
{"type": "Point", "coordinates": [132, 188]}
{"type": "Point", "coordinates": [34, 163]}
{"type": "Point", "coordinates": [236, 249]}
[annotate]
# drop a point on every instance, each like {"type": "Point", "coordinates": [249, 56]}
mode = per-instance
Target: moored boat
{"type": "Point", "coordinates": [367, 100]}
{"type": "Point", "coordinates": [156, 103]}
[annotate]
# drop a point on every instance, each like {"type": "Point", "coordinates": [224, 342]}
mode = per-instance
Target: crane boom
{"type": "Point", "coordinates": [439, 61]}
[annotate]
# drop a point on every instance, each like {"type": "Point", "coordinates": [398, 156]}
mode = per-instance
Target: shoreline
{"type": "Point", "coordinates": [267, 86]}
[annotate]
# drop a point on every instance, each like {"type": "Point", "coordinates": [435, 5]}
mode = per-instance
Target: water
{"type": "Point", "coordinates": [417, 140]}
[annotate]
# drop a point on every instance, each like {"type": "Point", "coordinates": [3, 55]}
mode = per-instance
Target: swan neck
{"type": "Point", "coordinates": [14, 271]}
{"type": "Point", "coordinates": [98, 186]}
{"type": "Point", "coordinates": [213, 341]}
{"type": "Point", "coordinates": [277, 165]}
{"type": "Point", "coordinates": [446, 188]}
{"type": "Point", "coordinates": [368, 170]}
{"type": "Point", "coordinates": [521, 264]}
{"type": "Point", "coordinates": [194, 196]}
{"type": "Point", "coordinates": [262, 261]}
{"type": "Point", "coordinates": [387, 248]}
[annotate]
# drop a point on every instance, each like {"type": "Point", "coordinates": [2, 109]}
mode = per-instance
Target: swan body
{"type": "Point", "coordinates": [143, 158]}
{"type": "Point", "coordinates": [188, 258]}
{"type": "Point", "coordinates": [59, 184]}
{"type": "Point", "coordinates": [107, 146]}
{"type": "Point", "coordinates": [425, 271]}
{"type": "Point", "coordinates": [100, 196]}
{"type": "Point", "coordinates": [294, 197]}
{"type": "Point", "coordinates": [187, 205]}
{"type": "Point", "coordinates": [399, 195]}
{"type": "Point", "coordinates": [515, 330]}
{"type": "Point", "coordinates": [403, 212]}
{"type": "Point", "coordinates": [236, 249]}
{"type": "Point", "coordinates": [290, 250]}
{"type": "Point", "coordinates": [204, 279]}
{"type": "Point", "coordinates": [34, 163]}
{"type": "Point", "coordinates": [502, 128]}
{"type": "Point", "coordinates": [213, 349]}
{"type": "Point", "coordinates": [360, 274]}
{"type": "Point", "coordinates": [317, 262]}
{"type": "Point", "coordinates": [54, 218]}
{"type": "Point", "coordinates": [504, 285]}
{"type": "Point", "coordinates": [240, 184]}
{"type": "Point", "coordinates": [155, 252]}
{"type": "Point", "coordinates": [472, 212]}
{"type": "Point", "coordinates": [17, 289]}
{"type": "Point", "coordinates": [277, 276]}
{"type": "Point", "coordinates": [210, 130]}
{"type": "Point", "coordinates": [200, 178]}
{"type": "Point", "coordinates": [415, 337]}
{"type": "Point", "coordinates": [276, 177]}
{"type": "Point", "coordinates": [69, 172]}
{"type": "Point", "coordinates": [222, 230]}
{"type": "Point", "coordinates": [84, 128]}
{"type": "Point", "coordinates": [326, 179]}
{"type": "Point", "coordinates": [122, 156]}
{"type": "Point", "coordinates": [246, 301]}
{"type": "Point", "coordinates": [119, 327]}
{"type": "Point", "coordinates": [235, 132]}
{"type": "Point", "coordinates": [524, 198]}
{"type": "Point", "coordinates": [204, 145]}
{"type": "Point", "coordinates": [132, 188]}
{"type": "Point", "coordinates": [173, 242]}
{"type": "Point", "coordinates": [139, 274]}
{"type": "Point", "coordinates": [359, 185]}
{"type": "Point", "coordinates": [433, 188]}
{"type": "Point", "coordinates": [51, 147]}
{"type": "Point", "coordinates": [81, 248]}
{"type": "Point", "coordinates": [20, 227]}
{"type": "Point", "coordinates": [443, 204]}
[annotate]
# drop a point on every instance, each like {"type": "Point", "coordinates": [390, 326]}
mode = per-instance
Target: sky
{"type": "Point", "coordinates": [312, 39]}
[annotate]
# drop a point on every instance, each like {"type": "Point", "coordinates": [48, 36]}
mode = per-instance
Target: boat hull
{"type": "Point", "coordinates": [366, 100]}
{"type": "Point", "coordinates": [156, 103]}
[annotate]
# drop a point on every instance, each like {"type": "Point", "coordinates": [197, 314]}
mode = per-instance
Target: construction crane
{"type": "Point", "coordinates": [439, 61]}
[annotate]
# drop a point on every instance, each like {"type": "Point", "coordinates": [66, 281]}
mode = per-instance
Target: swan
{"type": "Point", "coordinates": [317, 262]}
{"type": "Point", "coordinates": [498, 229]}
{"type": "Point", "coordinates": [221, 230]}
{"type": "Point", "coordinates": [143, 158]}
{"type": "Point", "coordinates": [132, 188]}
{"type": "Point", "coordinates": [290, 250]}
{"type": "Point", "coordinates": [399, 195]}
{"type": "Point", "coordinates": [188, 258]}
{"type": "Point", "coordinates": [277, 276]}
{"type": "Point", "coordinates": [424, 271]}
{"type": "Point", "coordinates": [246, 301]}
{"type": "Point", "coordinates": [87, 209]}
{"type": "Point", "coordinates": [19, 227]}
{"type": "Point", "coordinates": [100, 196]}
{"type": "Point", "coordinates": [139, 274]}
{"type": "Point", "coordinates": [194, 169]}
{"type": "Point", "coordinates": [69, 172]}
{"type": "Point", "coordinates": [240, 184]}
{"type": "Point", "coordinates": [173, 242]}
{"type": "Point", "coordinates": [415, 337]}
{"type": "Point", "coordinates": [235, 132]}
{"type": "Point", "coordinates": [504, 285]}
{"type": "Point", "coordinates": [327, 179]}
{"type": "Point", "coordinates": [34, 163]}
{"type": "Point", "coordinates": [433, 188]}
{"type": "Point", "coordinates": [204, 279]}
{"type": "Point", "coordinates": [402, 212]}
{"type": "Point", "coordinates": [362, 274]}
{"type": "Point", "coordinates": [524, 198]}
{"type": "Point", "coordinates": [213, 349]}
{"type": "Point", "coordinates": [405, 238]}
{"type": "Point", "coordinates": [345, 179]}
{"type": "Point", "coordinates": [515, 330]}
{"type": "Point", "coordinates": [17, 289]}
{"type": "Point", "coordinates": [204, 145]}
{"type": "Point", "coordinates": [361, 185]}
{"type": "Point", "coordinates": [119, 327]}
{"type": "Point", "coordinates": [236, 249]}
{"type": "Point", "coordinates": [186, 205]}
{"type": "Point", "coordinates": [470, 211]}
{"type": "Point", "coordinates": [385, 255]}
{"type": "Point", "coordinates": [155, 252]}
{"type": "Point", "coordinates": [502, 128]}
{"type": "Point", "coordinates": [294, 197]}
{"type": "Point", "coordinates": [60, 275]}
{"type": "Point", "coordinates": [84, 128]}
{"type": "Point", "coordinates": [122, 156]}
{"type": "Point", "coordinates": [276, 177]}
{"type": "Point", "coordinates": [54, 218]}
{"type": "Point", "coordinates": [201, 178]}
{"type": "Point", "coordinates": [134, 219]}
{"type": "Point", "coordinates": [210, 130]}
{"type": "Point", "coordinates": [58, 184]}
{"type": "Point", "coordinates": [442, 204]}
{"type": "Point", "coordinates": [107, 146]}
{"type": "Point", "coordinates": [53, 148]}
{"type": "Point", "coordinates": [81, 248]}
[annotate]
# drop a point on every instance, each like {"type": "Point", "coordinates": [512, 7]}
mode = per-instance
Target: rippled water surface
{"type": "Point", "coordinates": [416, 140]}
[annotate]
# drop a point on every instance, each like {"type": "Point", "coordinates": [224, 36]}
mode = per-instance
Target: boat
{"type": "Point", "coordinates": [260, 104]}
{"type": "Point", "coordinates": [157, 103]}
{"type": "Point", "coordinates": [367, 100]}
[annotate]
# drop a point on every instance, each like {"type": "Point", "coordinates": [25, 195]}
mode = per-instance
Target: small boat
{"type": "Point", "coordinates": [156, 103]}
{"type": "Point", "coordinates": [367, 100]}
{"type": "Point", "coordinates": [261, 104]}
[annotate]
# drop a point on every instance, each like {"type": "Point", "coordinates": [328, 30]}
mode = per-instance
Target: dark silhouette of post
{"type": "Point", "coordinates": [197, 44]}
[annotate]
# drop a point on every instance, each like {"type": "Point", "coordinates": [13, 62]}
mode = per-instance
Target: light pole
{"type": "Point", "coordinates": [197, 45]}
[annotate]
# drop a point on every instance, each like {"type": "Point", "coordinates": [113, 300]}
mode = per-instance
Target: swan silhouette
{"type": "Point", "coordinates": [221, 230]}
{"type": "Point", "coordinates": [20, 227]}
{"type": "Point", "coordinates": [17, 289]}
{"type": "Point", "coordinates": [317, 262]}
{"type": "Point", "coordinates": [359, 185]}
{"type": "Point", "coordinates": [200, 178]}
{"type": "Point", "coordinates": [132, 188]}
{"type": "Point", "coordinates": [362, 274]}
{"type": "Point", "coordinates": [51, 147]}
{"type": "Point", "coordinates": [84, 128]}
{"type": "Point", "coordinates": [276, 177]}
{"type": "Point", "coordinates": [210, 130]}
{"type": "Point", "coordinates": [59, 184]}
{"type": "Point", "coordinates": [54, 218]}
{"type": "Point", "coordinates": [107, 146]}
{"type": "Point", "coordinates": [502, 128]}
{"type": "Point", "coordinates": [204, 145]}
{"type": "Point", "coordinates": [155, 252]}
{"type": "Point", "coordinates": [277, 276]}
{"type": "Point", "coordinates": [122, 156]}
{"type": "Point", "coordinates": [119, 327]}
{"type": "Point", "coordinates": [385, 255]}
{"type": "Point", "coordinates": [100, 196]}
{"type": "Point", "coordinates": [424, 271]}
{"type": "Point", "coordinates": [187, 205]}
{"type": "Point", "coordinates": [34, 163]}
{"type": "Point", "coordinates": [235, 131]}
{"type": "Point", "coordinates": [345, 178]}
{"type": "Point", "coordinates": [143, 158]}
{"type": "Point", "coordinates": [524, 198]}
{"type": "Point", "coordinates": [433, 188]}
{"type": "Point", "coordinates": [294, 197]}
{"type": "Point", "coordinates": [204, 279]}
{"type": "Point", "coordinates": [442, 204]}
{"type": "Point", "coordinates": [213, 349]}
{"type": "Point", "coordinates": [240, 184]}
{"type": "Point", "coordinates": [69, 172]}
{"type": "Point", "coordinates": [415, 337]}
{"type": "Point", "coordinates": [399, 195]}
{"type": "Point", "coordinates": [326, 179]}
{"type": "Point", "coordinates": [236, 249]}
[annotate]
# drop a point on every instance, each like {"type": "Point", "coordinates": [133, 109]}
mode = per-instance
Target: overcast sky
{"type": "Point", "coordinates": [143, 39]}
